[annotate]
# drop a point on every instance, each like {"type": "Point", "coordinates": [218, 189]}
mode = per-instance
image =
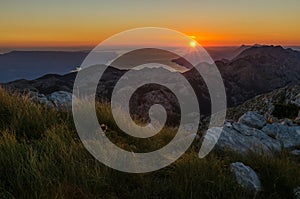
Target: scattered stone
{"type": "Point", "coordinates": [246, 177]}
{"type": "Point", "coordinates": [253, 119]}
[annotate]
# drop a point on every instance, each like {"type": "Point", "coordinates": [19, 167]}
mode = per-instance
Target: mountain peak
{"type": "Point", "coordinates": [275, 52]}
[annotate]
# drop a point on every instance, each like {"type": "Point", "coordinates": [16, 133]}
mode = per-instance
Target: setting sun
{"type": "Point", "coordinates": [193, 44]}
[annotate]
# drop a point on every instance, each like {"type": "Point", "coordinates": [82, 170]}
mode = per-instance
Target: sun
{"type": "Point", "coordinates": [193, 44]}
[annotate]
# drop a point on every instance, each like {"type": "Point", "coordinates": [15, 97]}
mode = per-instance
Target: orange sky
{"type": "Point", "coordinates": [86, 23]}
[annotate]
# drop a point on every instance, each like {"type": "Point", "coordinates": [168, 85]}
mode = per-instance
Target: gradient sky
{"type": "Point", "coordinates": [85, 23]}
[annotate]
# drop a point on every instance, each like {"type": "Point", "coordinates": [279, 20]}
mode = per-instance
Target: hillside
{"type": "Point", "coordinates": [41, 155]}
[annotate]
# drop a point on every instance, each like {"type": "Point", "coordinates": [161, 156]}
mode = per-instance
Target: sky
{"type": "Point", "coordinates": [71, 23]}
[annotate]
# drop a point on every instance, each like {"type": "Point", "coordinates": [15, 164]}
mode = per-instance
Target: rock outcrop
{"type": "Point", "coordinates": [256, 70]}
{"type": "Point", "coordinates": [255, 135]}
{"type": "Point", "coordinates": [277, 104]}
{"type": "Point", "coordinates": [59, 99]}
{"type": "Point", "coordinates": [289, 136]}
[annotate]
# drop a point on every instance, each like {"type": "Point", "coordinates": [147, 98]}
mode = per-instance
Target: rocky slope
{"type": "Point", "coordinates": [259, 70]}
{"type": "Point", "coordinates": [256, 70]}
{"type": "Point", "coordinates": [277, 104]}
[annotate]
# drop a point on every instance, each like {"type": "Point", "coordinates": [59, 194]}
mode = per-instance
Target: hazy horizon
{"type": "Point", "coordinates": [4, 50]}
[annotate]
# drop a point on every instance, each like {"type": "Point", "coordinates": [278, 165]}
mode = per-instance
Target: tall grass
{"type": "Point", "coordinates": [41, 156]}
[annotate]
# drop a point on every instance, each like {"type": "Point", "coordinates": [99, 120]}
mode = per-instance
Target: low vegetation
{"type": "Point", "coordinates": [41, 156]}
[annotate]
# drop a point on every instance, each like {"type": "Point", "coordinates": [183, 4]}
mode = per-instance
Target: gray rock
{"type": "Point", "coordinates": [265, 141]}
{"type": "Point", "coordinates": [253, 119]}
{"type": "Point", "coordinates": [243, 139]}
{"type": "Point", "coordinates": [297, 192]}
{"type": "Point", "coordinates": [289, 136]}
{"type": "Point", "coordinates": [40, 99]}
{"type": "Point", "coordinates": [287, 122]}
{"type": "Point", "coordinates": [295, 152]}
{"type": "Point", "coordinates": [61, 99]}
{"type": "Point", "coordinates": [228, 124]}
{"type": "Point", "coordinates": [246, 177]}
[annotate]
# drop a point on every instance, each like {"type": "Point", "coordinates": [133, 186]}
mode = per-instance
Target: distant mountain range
{"type": "Point", "coordinates": [30, 65]}
{"type": "Point", "coordinates": [255, 70]}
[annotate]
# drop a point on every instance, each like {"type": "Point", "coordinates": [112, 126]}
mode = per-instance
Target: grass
{"type": "Point", "coordinates": [41, 156]}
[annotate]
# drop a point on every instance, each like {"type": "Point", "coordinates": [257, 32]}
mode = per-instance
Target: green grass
{"type": "Point", "coordinates": [41, 156]}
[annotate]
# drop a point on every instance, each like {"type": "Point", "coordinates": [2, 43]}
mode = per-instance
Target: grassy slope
{"type": "Point", "coordinates": [41, 156]}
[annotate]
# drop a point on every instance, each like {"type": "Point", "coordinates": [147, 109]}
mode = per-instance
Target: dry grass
{"type": "Point", "coordinates": [42, 157]}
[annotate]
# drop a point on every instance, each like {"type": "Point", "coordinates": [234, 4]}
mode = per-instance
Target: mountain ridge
{"type": "Point", "coordinates": [254, 72]}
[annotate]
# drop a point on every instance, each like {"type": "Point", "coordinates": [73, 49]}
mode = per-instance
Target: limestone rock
{"type": "Point", "coordinates": [246, 177]}
{"type": "Point", "coordinates": [289, 136]}
{"type": "Point", "coordinates": [61, 99]}
{"type": "Point", "coordinates": [40, 99]}
{"type": "Point", "coordinates": [253, 119]}
{"type": "Point", "coordinates": [242, 139]}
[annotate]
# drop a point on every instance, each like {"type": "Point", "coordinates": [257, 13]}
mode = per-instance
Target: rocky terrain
{"type": "Point", "coordinates": [256, 70]}
{"type": "Point", "coordinates": [253, 133]}
{"type": "Point", "coordinates": [256, 126]}
{"type": "Point", "coordinates": [263, 81]}
{"type": "Point", "coordinates": [266, 124]}
{"type": "Point", "coordinates": [263, 133]}
{"type": "Point", "coordinates": [281, 103]}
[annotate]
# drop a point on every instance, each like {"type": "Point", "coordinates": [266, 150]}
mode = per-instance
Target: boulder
{"type": "Point", "coordinates": [61, 99]}
{"type": "Point", "coordinates": [289, 136]}
{"type": "Point", "coordinates": [253, 119]}
{"type": "Point", "coordinates": [242, 139]}
{"type": "Point", "coordinates": [246, 177]}
{"type": "Point", "coordinates": [266, 142]}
